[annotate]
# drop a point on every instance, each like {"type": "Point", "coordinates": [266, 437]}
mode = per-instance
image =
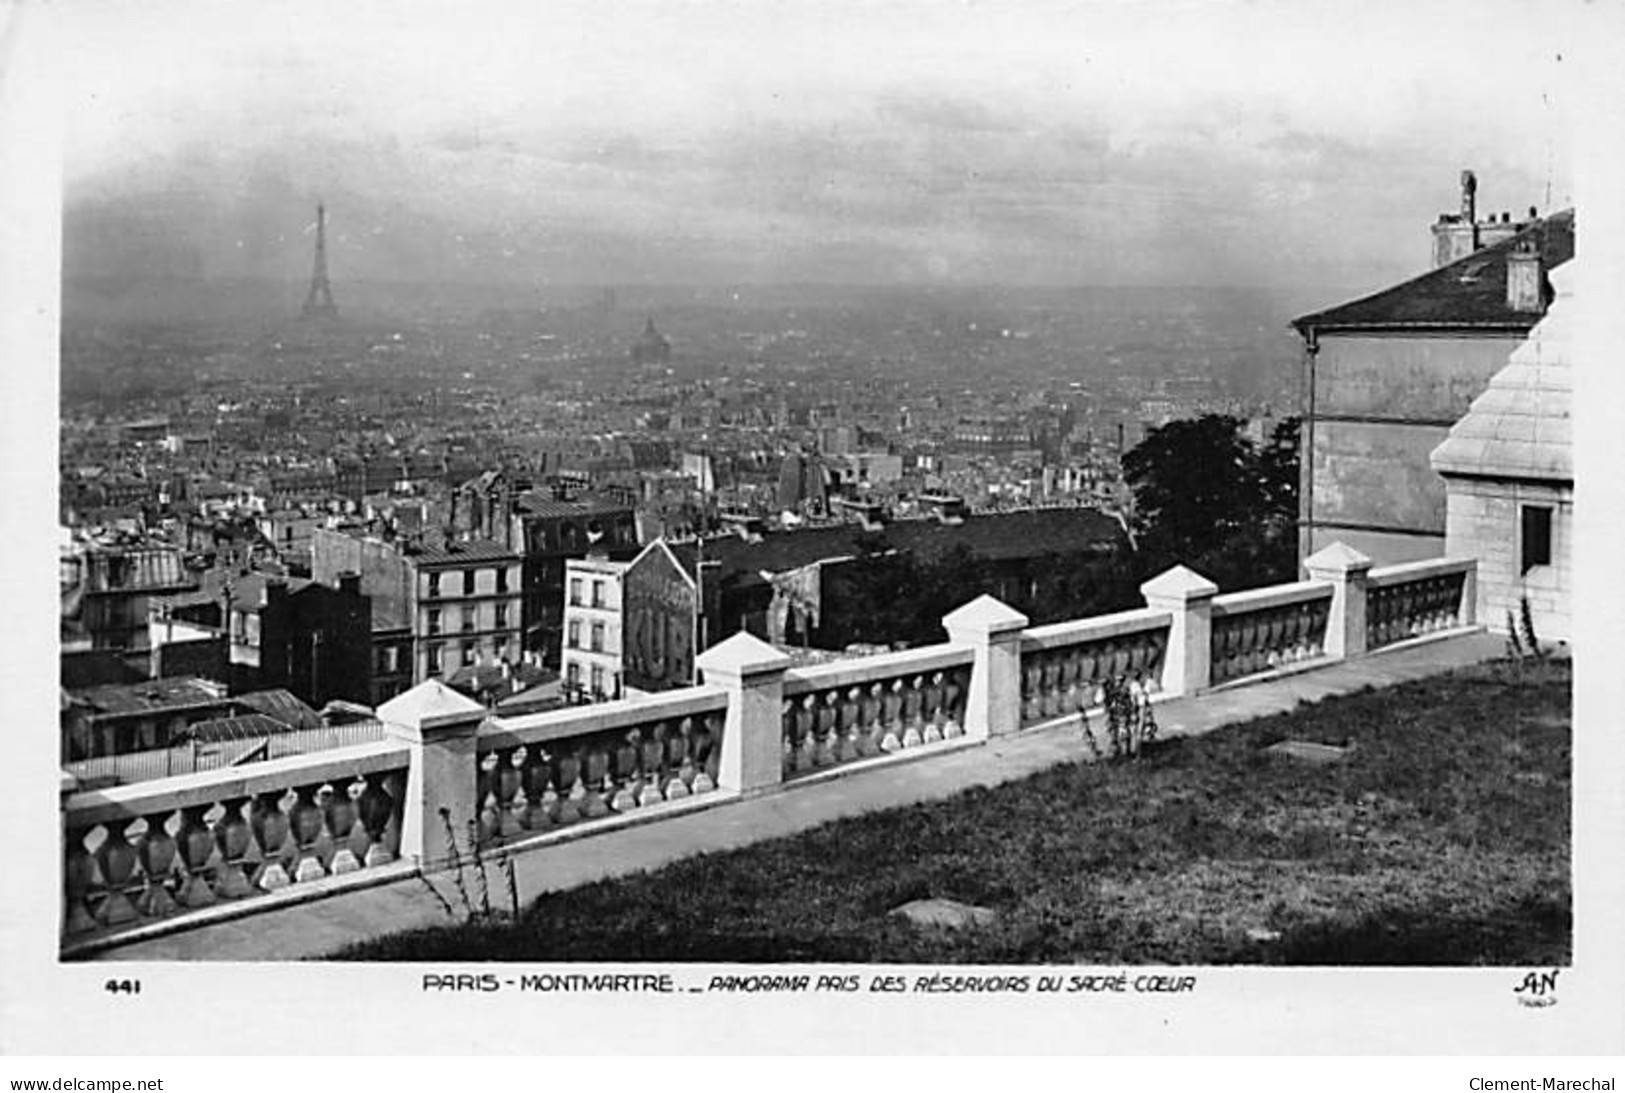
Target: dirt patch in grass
{"type": "Point", "coordinates": [1442, 838]}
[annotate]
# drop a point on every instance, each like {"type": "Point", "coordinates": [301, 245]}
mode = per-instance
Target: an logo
{"type": "Point", "coordinates": [1537, 989]}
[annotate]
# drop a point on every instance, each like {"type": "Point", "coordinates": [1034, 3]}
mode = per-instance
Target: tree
{"type": "Point", "coordinates": [1206, 498]}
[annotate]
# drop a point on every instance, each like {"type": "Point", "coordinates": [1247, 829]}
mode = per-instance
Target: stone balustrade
{"type": "Point", "coordinates": [550, 770]}
{"type": "Point", "coordinates": [1414, 599]}
{"type": "Point", "coordinates": [134, 854]}
{"type": "Point", "coordinates": [1263, 629]}
{"type": "Point", "coordinates": [1065, 664]}
{"type": "Point", "coordinates": [850, 710]}
{"type": "Point", "coordinates": [162, 849]}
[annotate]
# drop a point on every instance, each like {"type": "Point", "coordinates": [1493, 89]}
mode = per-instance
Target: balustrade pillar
{"type": "Point", "coordinates": [1188, 597]}
{"type": "Point", "coordinates": [993, 631]}
{"type": "Point", "coordinates": [1347, 570]}
{"type": "Point", "coordinates": [439, 728]}
{"type": "Point", "coordinates": [752, 672]}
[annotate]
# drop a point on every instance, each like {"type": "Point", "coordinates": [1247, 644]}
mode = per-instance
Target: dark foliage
{"type": "Point", "coordinates": [1207, 498]}
{"type": "Point", "coordinates": [884, 596]}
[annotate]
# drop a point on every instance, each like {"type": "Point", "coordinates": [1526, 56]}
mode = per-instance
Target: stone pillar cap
{"type": "Point", "coordinates": [1179, 583]}
{"type": "Point", "coordinates": [741, 655]}
{"type": "Point", "coordinates": [1337, 557]}
{"type": "Point", "coordinates": [985, 615]}
{"type": "Point", "coordinates": [431, 704]}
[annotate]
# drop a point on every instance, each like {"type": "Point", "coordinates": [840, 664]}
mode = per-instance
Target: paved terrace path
{"type": "Point", "coordinates": [320, 926]}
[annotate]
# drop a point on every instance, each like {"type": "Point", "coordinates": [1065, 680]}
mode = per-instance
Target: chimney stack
{"type": "Point", "coordinates": [1524, 277]}
{"type": "Point", "coordinates": [1469, 197]}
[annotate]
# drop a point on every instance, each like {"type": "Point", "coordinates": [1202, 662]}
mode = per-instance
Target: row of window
{"type": "Point", "coordinates": [469, 655]}
{"type": "Point", "coordinates": [572, 681]}
{"type": "Point", "coordinates": [436, 589]}
{"type": "Point", "coordinates": [572, 635]}
{"type": "Point", "coordinates": [575, 593]}
{"type": "Point", "coordinates": [469, 620]}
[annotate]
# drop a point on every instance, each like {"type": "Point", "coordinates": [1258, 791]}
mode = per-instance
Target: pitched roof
{"type": "Point", "coordinates": [541, 504]}
{"type": "Point", "coordinates": [284, 706]}
{"type": "Point", "coordinates": [217, 730]}
{"type": "Point", "coordinates": [153, 694]}
{"type": "Point", "coordinates": [462, 552]}
{"type": "Point", "coordinates": [1469, 293]}
{"type": "Point", "coordinates": [1520, 427]}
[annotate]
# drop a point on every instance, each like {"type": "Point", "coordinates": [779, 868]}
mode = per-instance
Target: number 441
{"type": "Point", "coordinates": [122, 986]}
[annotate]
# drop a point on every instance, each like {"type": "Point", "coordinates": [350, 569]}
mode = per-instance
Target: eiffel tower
{"type": "Point", "coordinates": [319, 303]}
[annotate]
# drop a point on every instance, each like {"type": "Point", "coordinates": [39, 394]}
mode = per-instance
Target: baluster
{"type": "Point", "coordinates": [679, 754]}
{"type": "Point", "coordinates": [1049, 699]}
{"type": "Point", "coordinates": [873, 715]}
{"type": "Point", "coordinates": [570, 778]}
{"type": "Point", "coordinates": [195, 844]}
{"type": "Point", "coordinates": [305, 822]}
{"type": "Point", "coordinates": [78, 881]}
{"type": "Point", "coordinates": [824, 741]}
{"type": "Point", "coordinates": [1032, 698]}
{"type": "Point", "coordinates": [932, 706]}
{"type": "Point", "coordinates": [535, 783]}
{"type": "Point", "coordinates": [953, 717]}
{"type": "Point", "coordinates": [595, 778]}
{"type": "Point", "coordinates": [342, 814]}
{"type": "Point", "coordinates": [117, 859]}
{"type": "Point", "coordinates": [787, 732]}
{"type": "Point", "coordinates": [1071, 672]}
{"type": "Point", "coordinates": [806, 744]}
{"type": "Point", "coordinates": [234, 838]}
{"type": "Point", "coordinates": [1221, 649]}
{"type": "Point", "coordinates": [850, 721]}
{"type": "Point", "coordinates": [270, 827]}
{"type": "Point", "coordinates": [1088, 675]}
{"type": "Point", "coordinates": [1120, 657]}
{"type": "Point", "coordinates": [487, 808]}
{"type": "Point", "coordinates": [891, 715]}
{"type": "Point", "coordinates": [652, 763]}
{"type": "Point", "coordinates": [627, 781]}
{"type": "Point", "coordinates": [376, 808]}
{"type": "Point", "coordinates": [509, 787]}
{"type": "Point", "coordinates": [913, 701]}
{"type": "Point", "coordinates": [709, 756]}
{"type": "Point", "coordinates": [156, 853]}
{"type": "Point", "coordinates": [1156, 643]}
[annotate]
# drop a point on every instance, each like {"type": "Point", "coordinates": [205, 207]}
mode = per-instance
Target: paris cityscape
{"type": "Point", "coordinates": [976, 499]}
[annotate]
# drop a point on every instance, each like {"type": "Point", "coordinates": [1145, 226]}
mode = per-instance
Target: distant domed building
{"type": "Point", "coordinates": [651, 346]}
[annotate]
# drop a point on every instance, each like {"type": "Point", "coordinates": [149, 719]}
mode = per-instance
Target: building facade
{"type": "Point", "coordinates": [1386, 376]}
{"type": "Point", "coordinates": [593, 629]}
{"type": "Point", "coordinates": [458, 602]}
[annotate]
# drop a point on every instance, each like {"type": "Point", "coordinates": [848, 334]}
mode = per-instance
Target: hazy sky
{"type": "Point", "coordinates": [572, 143]}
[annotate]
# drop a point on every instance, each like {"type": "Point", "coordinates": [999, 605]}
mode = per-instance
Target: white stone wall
{"type": "Point", "coordinates": [1482, 520]}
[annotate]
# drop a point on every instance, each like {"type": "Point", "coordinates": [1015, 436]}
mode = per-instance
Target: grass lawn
{"type": "Point", "coordinates": [1441, 838]}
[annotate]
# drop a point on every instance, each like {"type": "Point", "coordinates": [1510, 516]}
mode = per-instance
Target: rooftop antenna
{"type": "Point", "coordinates": [319, 302]}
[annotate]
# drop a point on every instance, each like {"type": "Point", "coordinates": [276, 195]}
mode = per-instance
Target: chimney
{"type": "Point", "coordinates": [1524, 277]}
{"type": "Point", "coordinates": [350, 583]}
{"type": "Point", "coordinates": [275, 589]}
{"type": "Point", "coordinates": [1469, 197]}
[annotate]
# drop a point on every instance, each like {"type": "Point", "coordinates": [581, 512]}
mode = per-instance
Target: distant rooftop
{"type": "Point", "coordinates": [462, 552]}
{"type": "Point", "coordinates": [150, 695]}
{"type": "Point", "coordinates": [1470, 292]}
